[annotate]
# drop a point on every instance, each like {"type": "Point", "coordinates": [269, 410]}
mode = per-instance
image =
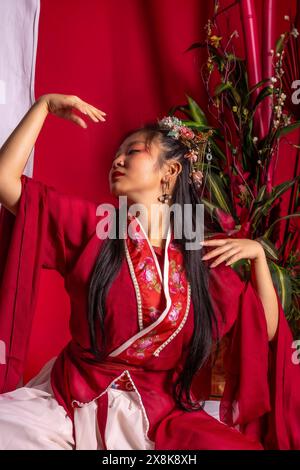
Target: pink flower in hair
{"type": "Point", "coordinates": [197, 176]}
{"type": "Point", "coordinates": [191, 156]}
{"type": "Point", "coordinates": [186, 132]}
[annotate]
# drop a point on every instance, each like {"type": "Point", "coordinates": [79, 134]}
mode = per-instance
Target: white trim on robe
{"type": "Point", "coordinates": [144, 331]}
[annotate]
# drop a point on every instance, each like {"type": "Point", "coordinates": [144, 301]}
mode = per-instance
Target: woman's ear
{"type": "Point", "coordinates": [175, 168]}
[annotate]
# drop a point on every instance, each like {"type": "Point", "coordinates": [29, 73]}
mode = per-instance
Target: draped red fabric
{"type": "Point", "coordinates": [262, 381]}
{"type": "Point", "coordinates": [128, 59]}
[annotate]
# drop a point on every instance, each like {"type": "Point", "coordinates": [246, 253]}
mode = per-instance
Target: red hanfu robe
{"type": "Point", "coordinates": [149, 324]}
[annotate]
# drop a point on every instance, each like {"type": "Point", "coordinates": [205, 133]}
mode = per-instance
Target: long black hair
{"type": "Point", "coordinates": [111, 256]}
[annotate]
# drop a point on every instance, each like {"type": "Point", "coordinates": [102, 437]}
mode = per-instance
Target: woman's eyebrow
{"type": "Point", "coordinates": [132, 143]}
{"type": "Point", "coordinates": [129, 144]}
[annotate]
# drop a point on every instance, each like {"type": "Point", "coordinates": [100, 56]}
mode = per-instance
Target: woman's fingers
{"type": "Point", "coordinates": [90, 111]}
{"type": "Point", "coordinates": [77, 120]}
{"type": "Point", "coordinates": [84, 109]}
{"type": "Point", "coordinates": [225, 256]}
{"type": "Point", "coordinates": [218, 251]}
{"type": "Point", "coordinates": [98, 112]}
{"type": "Point", "coordinates": [93, 113]}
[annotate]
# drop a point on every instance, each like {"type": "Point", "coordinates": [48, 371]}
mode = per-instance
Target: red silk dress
{"type": "Point", "coordinates": [149, 323]}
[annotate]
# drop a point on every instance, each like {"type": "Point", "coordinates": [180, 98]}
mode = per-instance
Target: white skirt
{"type": "Point", "coordinates": [32, 419]}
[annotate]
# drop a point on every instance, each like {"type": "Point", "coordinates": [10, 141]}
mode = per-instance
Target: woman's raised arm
{"type": "Point", "coordinates": [16, 150]}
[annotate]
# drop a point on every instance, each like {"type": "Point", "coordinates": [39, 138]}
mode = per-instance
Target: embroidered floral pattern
{"type": "Point", "coordinates": [177, 283]}
{"type": "Point", "coordinates": [137, 353]}
{"type": "Point", "coordinates": [144, 343]}
{"type": "Point", "coordinates": [137, 238]}
{"type": "Point", "coordinates": [149, 289]}
{"type": "Point", "coordinates": [175, 311]}
{"type": "Point", "coordinates": [149, 274]}
{"type": "Point", "coordinates": [139, 244]}
{"type": "Point", "coordinates": [154, 313]}
{"type": "Point", "coordinates": [123, 383]}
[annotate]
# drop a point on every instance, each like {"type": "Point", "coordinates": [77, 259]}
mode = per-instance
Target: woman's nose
{"type": "Point", "coordinates": [119, 161]}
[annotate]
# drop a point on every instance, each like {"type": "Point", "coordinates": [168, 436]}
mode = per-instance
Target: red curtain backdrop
{"type": "Point", "coordinates": [126, 57]}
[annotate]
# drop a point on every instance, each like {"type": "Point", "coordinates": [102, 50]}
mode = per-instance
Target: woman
{"type": "Point", "coordinates": [146, 312]}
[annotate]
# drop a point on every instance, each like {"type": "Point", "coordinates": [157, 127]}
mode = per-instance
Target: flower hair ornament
{"type": "Point", "coordinates": [196, 141]}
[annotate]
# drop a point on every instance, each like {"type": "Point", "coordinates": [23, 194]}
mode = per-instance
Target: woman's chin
{"type": "Point", "coordinates": [117, 191]}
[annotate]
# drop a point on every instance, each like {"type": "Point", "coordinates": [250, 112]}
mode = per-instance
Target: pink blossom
{"type": "Point", "coordinates": [174, 314]}
{"type": "Point", "coordinates": [176, 277]}
{"type": "Point", "coordinates": [191, 156]}
{"type": "Point", "coordinates": [154, 314]}
{"type": "Point", "coordinates": [186, 132]}
{"type": "Point", "coordinates": [226, 221]}
{"type": "Point", "coordinates": [131, 352]}
{"type": "Point", "coordinates": [145, 343]}
{"type": "Point", "coordinates": [149, 275]}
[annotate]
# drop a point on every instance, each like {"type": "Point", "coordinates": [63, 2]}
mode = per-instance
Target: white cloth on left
{"type": "Point", "coordinates": [32, 419]}
{"type": "Point", "coordinates": [19, 32]}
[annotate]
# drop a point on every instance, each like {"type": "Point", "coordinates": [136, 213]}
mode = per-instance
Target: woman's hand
{"type": "Point", "coordinates": [64, 105]}
{"type": "Point", "coordinates": [232, 250]}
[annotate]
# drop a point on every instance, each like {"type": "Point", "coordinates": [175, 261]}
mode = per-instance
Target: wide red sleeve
{"type": "Point", "coordinates": [50, 229]}
{"type": "Point", "coordinates": [69, 223]}
{"type": "Point", "coordinates": [225, 289]}
{"type": "Point", "coordinates": [261, 396]}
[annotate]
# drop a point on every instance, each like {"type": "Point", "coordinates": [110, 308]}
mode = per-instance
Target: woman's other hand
{"type": "Point", "coordinates": [232, 250]}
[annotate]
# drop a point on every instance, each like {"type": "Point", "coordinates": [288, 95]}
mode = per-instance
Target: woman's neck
{"type": "Point", "coordinates": [160, 224]}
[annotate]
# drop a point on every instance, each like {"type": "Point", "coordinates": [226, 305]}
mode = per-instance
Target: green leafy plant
{"type": "Point", "coordinates": [239, 194]}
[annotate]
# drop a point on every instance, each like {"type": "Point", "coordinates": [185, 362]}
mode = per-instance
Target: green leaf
{"type": "Point", "coordinates": [217, 151]}
{"type": "Point", "coordinates": [228, 86]}
{"type": "Point", "coordinates": [241, 267]}
{"type": "Point", "coordinates": [277, 191]}
{"type": "Point", "coordinates": [195, 45]}
{"type": "Point", "coordinates": [210, 207]}
{"type": "Point", "coordinates": [217, 55]}
{"type": "Point", "coordinates": [287, 129]}
{"type": "Point", "coordinates": [209, 204]}
{"type": "Point", "coordinates": [197, 113]}
{"type": "Point", "coordinates": [281, 188]}
{"type": "Point", "coordinates": [184, 108]}
{"type": "Point", "coordinates": [261, 193]}
{"type": "Point", "coordinates": [201, 127]}
{"type": "Point", "coordinates": [216, 185]}
{"type": "Point", "coordinates": [282, 284]}
{"type": "Point", "coordinates": [269, 247]}
{"type": "Point", "coordinates": [261, 96]}
{"type": "Point", "coordinates": [257, 86]}
{"type": "Point", "coordinates": [268, 232]}
{"type": "Point", "coordinates": [232, 57]}
{"type": "Point", "coordinates": [222, 87]}
{"type": "Point", "coordinates": [280, 43]}
{"type": "Point", "coordinates": [236, 96]}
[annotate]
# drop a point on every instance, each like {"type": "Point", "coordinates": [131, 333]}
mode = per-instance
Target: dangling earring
{"type": "Point", "coordinates": [165, 197]}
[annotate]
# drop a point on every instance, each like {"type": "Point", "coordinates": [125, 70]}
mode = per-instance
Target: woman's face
{"type": "Point", "coordinates": [141, 177]}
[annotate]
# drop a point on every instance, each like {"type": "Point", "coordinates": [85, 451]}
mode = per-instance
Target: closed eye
{"type": "Point", "coordinates": [132, 150]}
